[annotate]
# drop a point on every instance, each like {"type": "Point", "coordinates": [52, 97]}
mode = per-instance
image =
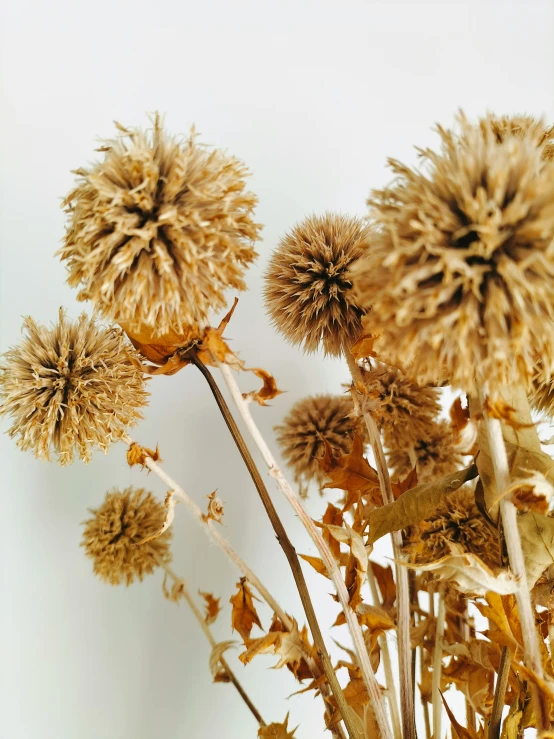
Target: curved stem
{"type": "Point", "coordinates": [370, 681]}
{"type": "Point", "coordinates": [212, 642]}
{"type": "Point", "coordinates": [287, 547]}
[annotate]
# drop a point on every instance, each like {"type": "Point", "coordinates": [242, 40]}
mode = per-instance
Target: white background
{"type": "Point", "coordinates": [313, 96]}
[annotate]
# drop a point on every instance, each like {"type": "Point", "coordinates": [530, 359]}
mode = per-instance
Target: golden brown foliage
{"type": "Point", "coordinates": [244, 614]}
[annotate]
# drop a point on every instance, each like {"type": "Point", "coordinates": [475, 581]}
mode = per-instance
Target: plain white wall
{"type": "Point", "coordinates": [313, 95]}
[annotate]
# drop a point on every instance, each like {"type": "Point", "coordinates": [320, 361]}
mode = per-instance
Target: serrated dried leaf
{"type": "Point", "coordinates": [177, 590]}
{"type": "Point", "coordinates": [212, 607]}
{"type": "Point", "coordinates": [333, 516]}
{"type": "Point", "coordinates": [416, 504]}
{"type": "Point", "coordinates": [215, 508]}
{"type": "Point", "coordinates": [268, 391]}
{"type": "Point", "coordinates": [219, 673]}
{"type": "Point", "coordinates": [137, 454]}
{"type": "Point", "coordinates": [244, 614]}
{"type": "Point", "coordinates": [363, 347]}
{"type": "Point", "coordinates": [170, 503]}
{"type": "Point", "coordinates": [356, 566]}
{"type": "Point", "coordinates": [316, 563]}
{"type": "Point", "coordinates": [470, 573]}
{"type": "Point", "coordinates": [352, 473]}
{"type": "Point", "coordinates": [386, 584]}
{"type": "Point", "coordinates": [276, 731]}
{"type": "Point", "coordinates": [409, 482]}
{"type": "Point", "coordinates": [292, 647]}
{"type": "Point", "coordinates": [462, 732]}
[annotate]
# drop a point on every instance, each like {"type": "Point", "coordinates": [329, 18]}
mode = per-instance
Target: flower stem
{"type": "Point", "coordinates": [437, 664]}
{"type": "Point", "coordinates": [368, 676]}
{"type": "Point", "coordinates": [500, 688]}
{"type": "Point", "coordinates": [212, 642]}
{"type": "Point", "coordinates": [407, 707]}
{"type": "Point", "coordinates": [288, 549]}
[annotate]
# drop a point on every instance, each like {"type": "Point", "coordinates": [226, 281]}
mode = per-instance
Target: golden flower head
{"type": "Point", "coordinates": [158, 230]}
{"type": "Point", "coordinates": [114, 538]}
{"type": "Point", "coordinates": [72, 387]}
{"type": "Point", "coordinates": [456, 521]}
{"type": "Point", "coordinates": [432, 452]}
{"type": "Point", "coordinates": [519, 125]}
{"type": "Point", "coordinates": [308, 293]}
{"type": "Point", "coordinates": [461, 275]}
{"type": "Point", "coordinates": [309, 422]}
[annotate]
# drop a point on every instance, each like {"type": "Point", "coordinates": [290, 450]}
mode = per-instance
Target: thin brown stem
{"type": "Point", "coordinates": [287, 547]}
{"type": "Point", "coordinates": [500, 688]}
{"type": "Point", "coordinates": [212, 642]}
{"type": "Point", "coordinates": [437, 663]}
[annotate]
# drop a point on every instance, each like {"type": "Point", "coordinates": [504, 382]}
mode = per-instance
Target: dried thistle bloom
{"type": "Point", "coordinates": [461, 275]}
{"type": "Point", "coordinates": [114, 538]}
{"type": "Point", "coordinates": [541, 397]}
{"type": "Point", "coordinates": [432, 453]}
{"type": "Point", "coordinates": [519, 125]}
{"type": "Point", "coordinates": [308, 294]}
{"type": "Point", "coordinates": [309, 422]}
{"type": "Point", "coordinates": [72, 387]}
{"type": "Point", "coordinates": [456, 521]}
{"type": "Point", "coordinates": [158, 230]}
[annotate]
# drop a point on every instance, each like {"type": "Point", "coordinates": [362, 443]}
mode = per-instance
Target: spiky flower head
{"type": "Point", "coordinates": [456, 521]}
{"type": "Point", "coordinates": [71, 388]}
{"type": "Point", "coordinates": [309, 422]}
{"type": "Point", "coordinates": [461, 275]}
{"type": "Point", "coordinates": [121, 540]}
{"type": "Point", "coordinates": [308, 293]}
{"type": "Point", "coordinates": [432, 452]}
{"type": "Point", "coordinates": [158, 230]}
{"type": "Point", "coordinates": [541, 395]}
{"type": "Point", "coordinates": [519, 126]}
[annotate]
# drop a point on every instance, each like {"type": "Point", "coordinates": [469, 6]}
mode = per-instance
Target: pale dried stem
{"type": "Point", "coordinates": [466, 636]}
{"type": "Point", "coordinates": [407, 707]}
{"type": "Point", "coordinates": [508, 515]}
{"type": "Point", "coordinates": [387, 664]}
{"type": "Point", "coordinates": [212, 642]}
{"type": "Point", "coordinates": [219, 540]}
{"type": "Point", "coordinates": [376, 697]}
{"type": "Point", "coordinates": [437, 664]}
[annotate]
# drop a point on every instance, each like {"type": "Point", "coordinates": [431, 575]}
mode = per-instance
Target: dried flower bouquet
{"type": "Point", "coordinates": [449, 281]}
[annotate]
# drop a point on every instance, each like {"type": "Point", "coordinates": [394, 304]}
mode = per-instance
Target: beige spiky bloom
{"type": "Point", "coordinates": [114, 538]}
{"type": "Point", "coordinates": [461, 275]}
{"type": "Point", "coordinates": [541, 397]}
{"type": "Point", "coordinates": [309, 422]}
{"type": "Point", "coordinates": [518, 125]}
{"type": "Point", "coordinates": [158, 230]}
{"type": "Point", "coordinates": [432, 452]}
{"type": "Point", "coordinates": [307, 293]}
{"type": "Point", "coordinates": [71, 387]}
{"type": "Point", "coordinates": [456, 521]}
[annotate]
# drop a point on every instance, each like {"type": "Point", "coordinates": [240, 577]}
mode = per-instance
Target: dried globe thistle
{"type": "Point", "coordinates": [158, 230]}
{"type": "Point", "coordinates": [519, 126]}
{"type": "Point", "coordinates": [308, 293]}
{"type": "Point", "coordinates": [460, 276]}
{"type": "Point", "coordinates": [309, 422]}
{"type": "Point", "coordinates": [456, 521]}
{"type": "Point", "coordinates": [72, 387]}
{"type": "Point", "coordinates": [541, 397]}
{"type": "Point", "coordinates": [431, 453]}
{"type": "Point", "coordinates": [114, 538]}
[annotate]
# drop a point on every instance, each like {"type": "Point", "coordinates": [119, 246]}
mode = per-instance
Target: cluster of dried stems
{"type": "Point", "coordinates": [447, 281]}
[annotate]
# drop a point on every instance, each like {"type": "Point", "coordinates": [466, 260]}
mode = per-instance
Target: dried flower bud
{"type": "Point", "coordinates": [308, 293]}
{"type": "Point", "coordinates": [309, 422]}
{"type": "Point", "coordinates": [72, 387]}
{"type": "Point", "coordinates": [460, 276]}
{"type": "Point", "coordinates": [159, 230]}
{"type": "Point", "coordinates": [519, 125]}
{"type": "Point", "coordinates": [121, 538]}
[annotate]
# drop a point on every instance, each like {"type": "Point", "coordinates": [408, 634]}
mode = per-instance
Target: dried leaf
{"type": "Point", "coordinates": [416, 504]}
{"type": "Point", "coordinates": [177, 590]}
{"type": "Point", "coordinates": [170, 504]}
{"type": "Point", "coordinates": [137, 454]}
{"type": "Point", "coordinates": [269, 389]}
{"type": "Point", "coordinates": [458, 728]}
{"type": "Point", "coordinates": [212, 607]}
{"type": "Point", "coordinates": [244, 614]}
{"type": "Point", "coordinates": [532, 493]}
{"type": "Point", "coordinates": [356, 567]}
{"type": "Point", "coordinates": [219, 673]}
{"type": "Point", "coordinates": [537, 542]}
{"type": "Point", "coordinates": [352, 473]}
{"type": "Point", "coordinates": [316, 563]}
{"type": "Point", "coordinates": [470, 573]}
{"type": "Point", "coordinates": [333, 516]}
{"type": "Point", "coordinates": [215, 508]}
{"type": "Point", "coordinates": [276, 731]}
{"type": "Point", "coordinates": [459, 415]}
{"type": "Point", "coordinates": [292, 647]}
{"type": "Point", "coordinates": [386, 584]}
{"type": "Point", "coordinates": [409, 482]}
{"type": "Point", "coordinates": [502, 615]}
{"type": "Point", "coordinates": [506, 413]}
{"type": "Point", "coordinates": [363, 347]}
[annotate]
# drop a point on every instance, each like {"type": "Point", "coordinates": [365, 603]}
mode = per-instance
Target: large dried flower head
{"type": "Point", "coordinates": [71, 387]}
{"type": "Point", "coordinates": [308, 293]}
{"type": "Point", "coordinates": [158, 230]}
{"type": "Point", "coordinates": [541, 395]}
{"type": "Point", "coordinates": [121, 540]}
{"type": "Point", "coordinates": [309, 422]}
{"type": "Point", "coordinates": [460, 279]}
{"type": "Point", "coordinates": [432, 453]}
{"type": "Point", "coordinates": [519, 126]}
{"type": "Point", "coordinates": [456, 521]}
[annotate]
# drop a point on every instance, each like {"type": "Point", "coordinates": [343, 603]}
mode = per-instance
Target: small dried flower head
{"type": "Point", "coordinates": [519, 126]}
{"type": "Point", "coordinates": [158, 230]}
{"type": "Point", "coordinates": [432, 453]}
{"type": "Point", "coordinates": [71, 387]}
{"type": "Point", "coordinates": [308, 423]}
{"type": "Point", "coordinates": [308, 293]}
{"type": "Point", "coordinates": [114, 538]}
{"type": "Point", "coordinates": [541, 396]}
{"type": "Point", "coordinates": [461, 274]}
{"type": "Point", "coordinates": [456, 521]}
